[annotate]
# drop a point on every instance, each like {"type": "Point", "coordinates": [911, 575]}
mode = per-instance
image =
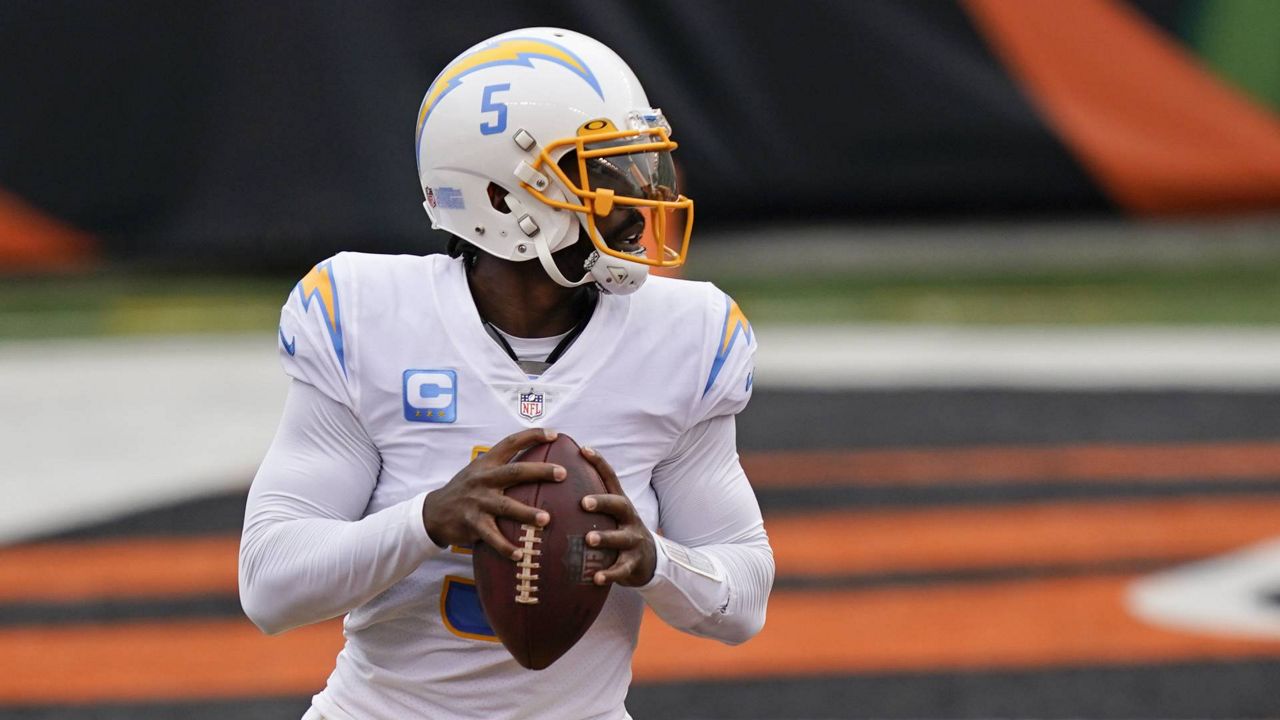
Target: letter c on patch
{"type": "Point", "coordinates": [430, 396]}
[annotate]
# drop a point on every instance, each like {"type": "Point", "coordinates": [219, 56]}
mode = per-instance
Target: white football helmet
{"type": "Point", "coordinates": [507, 112]}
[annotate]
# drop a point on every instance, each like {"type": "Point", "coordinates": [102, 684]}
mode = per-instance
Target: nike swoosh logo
{"type": "Point", "coordinates": [290, 346]}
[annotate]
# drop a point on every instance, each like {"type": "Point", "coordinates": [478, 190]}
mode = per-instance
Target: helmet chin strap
{"type": "Point", "coordinates": [549, 264]}
{"type": "Point", "coordinates": [613, 275]}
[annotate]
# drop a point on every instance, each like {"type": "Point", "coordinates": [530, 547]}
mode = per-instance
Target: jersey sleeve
{"type": "Point", "coordinates": [731, 347]}
{"type": "Point", "coordinates": [714, 567]}
{"type": "Point", "coordinates": [308, 551]}
{"type": "Point", "coordinates": [314, 330]}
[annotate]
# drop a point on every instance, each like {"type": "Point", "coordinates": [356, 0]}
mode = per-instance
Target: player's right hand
{"type": "Point", "coordinates": [466, 509]}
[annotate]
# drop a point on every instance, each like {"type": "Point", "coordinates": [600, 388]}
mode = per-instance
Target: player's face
{"type": "Point", "coordinates": [623, 228]}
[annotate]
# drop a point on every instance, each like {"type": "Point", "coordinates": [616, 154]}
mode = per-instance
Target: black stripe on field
{"type": "Point", "coordinates": [789, 500]}
{"type": "Point", "coordinates": [225, 513]}
{"type": "Point", "coordinates": [208, 515]}
{"type": "Point", "coordinates": [223, 606]}
{"type": "Point", "coordinates": [1244, 689]}
{"type": "Point", "coordinates": [286, 708]}
{"type": "Point", "coordinates": [119, 610]}
{"type": "Point", "coordinates": [969, 576]}
{"type": "Point", "coordinates": [838, 419]}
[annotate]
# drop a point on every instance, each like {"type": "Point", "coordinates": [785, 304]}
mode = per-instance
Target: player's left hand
{"type": "Point", "coordinates": [637, 555]}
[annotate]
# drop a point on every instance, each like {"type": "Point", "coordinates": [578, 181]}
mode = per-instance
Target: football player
{"type": "Point", "coordinates": [415, 380]}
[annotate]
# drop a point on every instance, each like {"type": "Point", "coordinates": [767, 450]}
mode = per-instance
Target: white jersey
{"type": "Point", "coordinates": [398, 341]}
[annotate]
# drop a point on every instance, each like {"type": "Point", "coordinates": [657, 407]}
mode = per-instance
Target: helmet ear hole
{"type": "Point", "coordinates": [498, 198]}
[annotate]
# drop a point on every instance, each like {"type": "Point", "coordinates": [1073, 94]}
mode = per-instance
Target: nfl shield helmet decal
{"type": "Point", "coordinates": [531, 405]}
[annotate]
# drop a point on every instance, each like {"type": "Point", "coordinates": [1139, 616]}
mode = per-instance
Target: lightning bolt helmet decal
{"type": "Point", "coordinates": [517, 51]}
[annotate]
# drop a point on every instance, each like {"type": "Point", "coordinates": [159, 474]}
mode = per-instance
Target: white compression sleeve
{"type": "Point", "coordinates": [715, 567]}
{"type": "Point", "coordinates": [308, 553]}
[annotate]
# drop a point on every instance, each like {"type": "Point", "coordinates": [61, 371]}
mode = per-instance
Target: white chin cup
{"type": "Point", "coordinates": [616, 276]}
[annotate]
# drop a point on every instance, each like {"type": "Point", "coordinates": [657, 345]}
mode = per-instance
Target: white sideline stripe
{"type": "Point", "coordinates": [871, 356]}
{"type": "Point", "coordinates": [97, 428]}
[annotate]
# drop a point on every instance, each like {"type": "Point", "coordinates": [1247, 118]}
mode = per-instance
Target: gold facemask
{"type": "Point", "coordinates": [628, 192]}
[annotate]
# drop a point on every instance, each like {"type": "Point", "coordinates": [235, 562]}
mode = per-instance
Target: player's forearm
{"type": "Point", "coordinates": [715, 566]}
{"type": "Point", "coordinates": [300, 570]}
{"type": "Point", "coordinates": [714, 591]}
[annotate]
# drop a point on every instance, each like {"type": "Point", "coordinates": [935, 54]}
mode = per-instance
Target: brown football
{"type": "Point", "coordinates": [542, 605]}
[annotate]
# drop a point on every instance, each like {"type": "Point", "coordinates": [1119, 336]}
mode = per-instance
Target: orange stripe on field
{"type": "Point", "coordinates": [160, 660]}
{"type": "Point", "coordinates": [1101, 462]}
{"type": "Point", "coordinates": [1019, 535]}
{"type": "Point", "coordinates": [999, 625]}
{"type": "Point", "coordinates": [158, 567]}
{"type": "Point", "coordinates": [1159, 131]}
{"type": "Point", "coordinates": [820, 543]}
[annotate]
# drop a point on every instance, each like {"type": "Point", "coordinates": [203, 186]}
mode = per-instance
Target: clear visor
{"type": "Point", "coordinates": [643, 175]}
{"type": "Point", "coordinates": [630, 194]}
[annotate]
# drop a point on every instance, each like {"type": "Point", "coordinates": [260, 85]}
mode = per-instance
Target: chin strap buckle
{"type": "Point", "coordinates": [523, 220]}
{"type": "Point", "coordinates": [524, 140]}
{"type": "Point", "coordinates": [527, 225]}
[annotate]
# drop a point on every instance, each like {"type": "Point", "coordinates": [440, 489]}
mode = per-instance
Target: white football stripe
{"type": "Point", "coordinates": [1226, 595]}
{"type": "Point", "coordinates": [852, 356]}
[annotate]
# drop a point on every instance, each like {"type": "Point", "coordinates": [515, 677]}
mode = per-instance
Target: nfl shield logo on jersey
{"type": "Point", "coordinates": [531, 405]}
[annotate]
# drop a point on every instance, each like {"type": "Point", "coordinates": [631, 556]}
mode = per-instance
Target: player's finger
{"type": "Point", "coordinates": [614, 539]}
{"type": "Point", "coordinates": [620, 570]}
{"type": "Point", "coordinates": [515, 473]}
{"type": "Point", "coordinates": [606, 471]}
{"type": "Point", "coordinates": [508, 446]}
{"type": "Point", "coordinates": [503, 506]}
{"type": "Point", "coordinates": [616, 505]}
{"type": "Point", "coordinates": [489, 534]}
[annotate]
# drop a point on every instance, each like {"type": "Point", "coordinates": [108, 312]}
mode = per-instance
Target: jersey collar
{"type": "Point", "coordinates": [598, 340]}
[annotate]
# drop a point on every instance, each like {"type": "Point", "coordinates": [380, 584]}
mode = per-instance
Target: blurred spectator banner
{"type": "Point", "coordinates": [245, 134]}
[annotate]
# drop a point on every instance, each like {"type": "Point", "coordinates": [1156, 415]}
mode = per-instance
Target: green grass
{"type": "Point", "coordinates": [124, 304]}
{"type": "Point", "coordinates": [1220, 295]}
{"type": "Point", "coordinates": [1233, 294]}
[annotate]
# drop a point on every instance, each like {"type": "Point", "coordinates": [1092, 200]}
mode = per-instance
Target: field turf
{"type": "Point", "coordinates": [949, 553]}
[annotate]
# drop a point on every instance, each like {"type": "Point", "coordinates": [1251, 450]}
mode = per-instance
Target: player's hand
{"type": "Point", "coordinates": [466, 509]}
{"type": "Point", "coordinates": [637, 555]}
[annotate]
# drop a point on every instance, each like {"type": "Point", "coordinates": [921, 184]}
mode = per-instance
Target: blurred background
{"type": "Point", "coordinates": [1014, 268]}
